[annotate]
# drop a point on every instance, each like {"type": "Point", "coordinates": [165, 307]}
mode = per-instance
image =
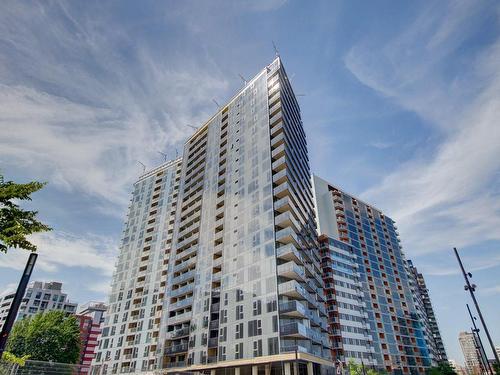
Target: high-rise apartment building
{"type": "Point", "coordinates": [349, 327]}
{"type": "Point", "coordinates": [90, 316]}
{"type": "Point", "coordinates": [398, 334]}
{"type": "Point", "coordinates": [39, 297]}
{"type": "Point", "coordinates": [130, 335]}
{"type": "Point", "coordinates": [423, 301]}
{"type": "Point", "coordinates": [472, 354]}
{"type": "Point", "coordinates": [244, 290]}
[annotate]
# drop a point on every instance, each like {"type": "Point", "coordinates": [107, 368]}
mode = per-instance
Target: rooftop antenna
{"type": "Point", "coordinates": [164, 155]}
{"type": "Point", "coordinates": [243, 79]}
{"type": "Point", "coordinates": [192, 127]}
{"type": "Point", "coordinates": [176, 153]}
{"type": "Point", "coordinates": [276, 52]}
{"type": "Point", "coordinates": [215, 101]}
{"type": "Point", "coordinates": [143, 166]}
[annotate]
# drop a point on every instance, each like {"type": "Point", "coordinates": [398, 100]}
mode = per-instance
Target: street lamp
{"type": "Point", "coordinates": [471, 288]}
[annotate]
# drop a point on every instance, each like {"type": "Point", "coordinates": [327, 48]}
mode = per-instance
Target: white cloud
{"type": "Point", "coordinates": [84, 113]}
{"type": "Point", "coordinates": [9, 288]}
{"type": "Point", "coordinates": [490, 290]}
{"type": "Point", "coordinates": [58, 250]}
{"type": "Point", "coordinates": [446, 198]}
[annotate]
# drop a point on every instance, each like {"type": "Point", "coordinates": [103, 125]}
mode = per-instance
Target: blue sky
{"type": "Point", "coordinates": [401, 106]}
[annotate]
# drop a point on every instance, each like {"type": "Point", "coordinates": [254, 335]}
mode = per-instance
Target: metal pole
{"type": "Point", "coordinates": [471, 289]}
{"type": "Point", "coordinates": [16, 302]}
{"type": "Point", "coordinates": [476, 330]}
{"type": "Point", "coordinates": [478, 352]}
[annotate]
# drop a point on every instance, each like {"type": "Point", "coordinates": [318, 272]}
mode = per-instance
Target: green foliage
{"type": "Point", "coordinates": [355, 369]}
{"type": "Point", "coordinates": [15, 223]}
{"type": "Point", "coordinates": [49, 336]}
{"type": "Point", "coordinates": [443, 368]}
{"type": "Point", "coordinates": [496, 368]}
{"type": "Point", "coordinates": [11, 358]}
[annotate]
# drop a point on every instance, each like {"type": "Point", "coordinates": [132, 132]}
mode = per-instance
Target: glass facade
{"type": "Point", "coordinates": [350, 330]}
{"type": "Point", "coordinates": [427, 316]}
{"type": "Point", "coordinates": [244, 276]}
{"type": "Point", "coordinates": [130, 332]}
{"type": "Point", "coordinates": [397, 330]}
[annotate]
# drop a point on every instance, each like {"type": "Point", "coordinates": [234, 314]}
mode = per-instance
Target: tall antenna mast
{"type": "Point", "coordinates": [164, 155]}
{"type": "Point", "coordinates": [143, 166]}
{"type": "Point", "coordinates": [276, 52]}
{"type": "Point", "coordinates": [215, 101]}
{"type": "Point", "coordinates": [243, 79]}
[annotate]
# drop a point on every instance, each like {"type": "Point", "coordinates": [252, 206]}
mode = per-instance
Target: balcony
{"type": "Point", "coordinates": [287, 236]}
{"type": "Point", "coordinates": [185, 264]}
{"type": "Point", "coordinates": [183, 332]}
{"type": "Point", "coordinates": [183, 290]}
{"type": "Point", "coordinates": [181, 304]}
{"type": "Point", "coordinates": [293, 308]}
{"type": "Point", "coordinates": [180, 348]}
{"type": "Point", "coordinates": [179, 318]}
{"type": "Point", "coordinates": [186, 253]}
{"type": "Point", "coordinates": [293, 289]}
{"type": "Point", "coordinates": [290, 270]}
{"type": "Point", "coordinates": [184, 277]}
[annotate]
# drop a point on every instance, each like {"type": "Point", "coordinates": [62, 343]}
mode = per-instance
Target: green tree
{"type": "Point", "coordinates": [355, 369]}
{"type": "Point", "coordinates": [15, 223]}
{"type": "Point", "coordinates": [9, 361]}
{"type": "Point", "coordinates": [49, 336]}
{"type": "Point", "coordinates": [442, 368]}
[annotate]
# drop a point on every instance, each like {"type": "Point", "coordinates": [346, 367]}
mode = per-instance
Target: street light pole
{"type": "Point", "coordinates": [16, 302]}
{"type": "Point", "coordinates": [471, 289]}
{"type": "Point", "coordinates": [480, 342]}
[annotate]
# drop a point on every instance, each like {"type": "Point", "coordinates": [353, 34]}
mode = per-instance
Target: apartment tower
{"type": "Point", "coordinates": [398, 335]}
{"type": "Point", "coordinates": [472, 353]}
{"type": "Point", "coordinates": [244, 291]}
{"type": "Point", "coordinates": [130, 332]}
{"type": "Point", "coordinates": [350, 332]}
{"type": "Point", "coordinates": [40, 296]}
{"type": "Point", "coordinates": [422, 298]}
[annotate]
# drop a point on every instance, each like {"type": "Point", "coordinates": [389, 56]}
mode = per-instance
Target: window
{"type": "Point", "coordinates": [239, 295]}
{"type": "Point", "coordinates": [257, 307]}
{"type": "Point", "coordinates": [222, 353]}
{"type": "Point", "coordinates": [223, 334]}
{"type": "Point", "coordinates": [238, 351]}
{"type": "Point", "coordinates": [271, 306]}
{"type": "Point", "coordinates": [223, 316]}
{"type": "Point", "coordinates": [239, 312]}
{"type": "Point", "coordinates": [272, 346]}
{"type": "Point", "coordinates": [257, 348]}
{"type": "Point", "coordinates": [239, 331]}
{"type": "Point", "coordinates": [254, 328]}
{"type": "Point", "coordinates": [117, 354]}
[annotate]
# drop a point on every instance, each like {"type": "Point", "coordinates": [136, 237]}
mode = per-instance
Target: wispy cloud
{"type": "Point", "coordinates": [490, 290]}
{"type": "Point", "coordinates": [448, 197]}
{"type": "Point", "coordinates": [58, 250]}
{"type": "Point", "coordinates": [79, 106]}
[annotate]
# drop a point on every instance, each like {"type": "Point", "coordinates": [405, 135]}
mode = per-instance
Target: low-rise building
{"type": "Point", "coordinates": [40, 296]}
{"type": "Point", "coordinates": [90, 316]}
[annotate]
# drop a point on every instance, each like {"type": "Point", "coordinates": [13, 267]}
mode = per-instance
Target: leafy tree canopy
{"type": "Point", "coordinates": [444, 368]}
{"type": "Point", "coordinates": [15, 223]}
{"type": "Point", "coordinates": [49, 336]}
{"type": "Point", "coordinates": [357, 369]}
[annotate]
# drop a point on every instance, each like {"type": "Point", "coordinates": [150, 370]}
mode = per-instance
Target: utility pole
{"type": "Point", "coordinates": [472, 288]}
{"type": "Point", "coordinates": [480, 342]}
{"type": "Point", "coordinates": [14, 307]}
